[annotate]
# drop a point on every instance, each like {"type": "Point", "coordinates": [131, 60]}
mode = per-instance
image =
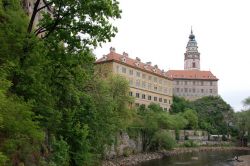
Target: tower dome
{"type": "Point", "coordinates": [192, 56]}
{"type": "Point", "coordinates": [191, 36]}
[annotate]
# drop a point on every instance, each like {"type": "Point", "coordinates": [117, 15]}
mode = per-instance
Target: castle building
{"type": "Point", "coordinates": [193, 83]}
{"type": "Point", "coordinates": [147, 83]}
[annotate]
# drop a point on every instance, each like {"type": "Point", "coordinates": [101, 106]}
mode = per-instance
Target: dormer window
{"type": "Point", "coordinates": [137, 64]}
{"type": "Point", "coordinates": [123, 59]}
{"type": "Point", "coordinates": [104, 57]}
{"type": "Point", "coordinates": [154, 70]}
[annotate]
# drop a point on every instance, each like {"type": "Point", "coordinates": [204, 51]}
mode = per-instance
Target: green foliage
{"type": "Point", "coordinates": [192, 118]}
{"type": "Point", "coordinates": [179, 104]}
{"type": "Point", "coordinates": [3, 159]}
{"type": "Point", "coordinates": [80, 24]}
{"type": "Point", "coordinates": [163, 140]}
{"type": "Point", "coordinates": [242, 124]}
{"type": "Point", "coordinates": [190, 143]}
{"type": "Point", "coordinates": [20, 135]}
{"type": "Point", "coordinates": [246, 102]}
{"type": "Point", "coordinates": [60, 155]}
{"type": "Point", "coordinates": [214, 114]}
{"type": "Point", "coordinates": [50, 85]}
{"type": "Point", "coordinates": [149, 123]}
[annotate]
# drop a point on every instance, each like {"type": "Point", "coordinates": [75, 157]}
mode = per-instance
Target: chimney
{"type": "Point", "coordinates": [125, 54]}
{"type": "Point", "coordinates": [138, 59]}
{"type": "Point", "coordinates": [149, 63]}
{"type": "Point", "coordinates": [112, 49]}
{"type": "Point", "coordinates": [155, 66]}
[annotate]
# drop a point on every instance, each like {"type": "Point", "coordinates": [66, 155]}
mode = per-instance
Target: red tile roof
{"type": "Point", "coordinates": [191, 74]}
{"type": "Point", "coordinates": [135, 63]}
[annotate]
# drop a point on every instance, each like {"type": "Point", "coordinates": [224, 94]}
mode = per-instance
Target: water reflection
{"type": "Point", "coordinates": [198, 159]}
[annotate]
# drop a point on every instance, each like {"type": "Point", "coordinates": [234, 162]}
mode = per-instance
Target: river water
{"type": "Point", "coordinates": [211, 158]}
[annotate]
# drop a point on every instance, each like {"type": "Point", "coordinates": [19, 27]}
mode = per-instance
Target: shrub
{"type": "Point", "coordinates": [163, 140]}
{"type": "Point", "coordinates": [127, 151]}
{"type": "Point", "coordinates": [190, 143]}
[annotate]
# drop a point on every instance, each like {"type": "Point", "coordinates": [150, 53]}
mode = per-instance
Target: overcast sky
{"type": "Point", "coordinates": [158, 31]}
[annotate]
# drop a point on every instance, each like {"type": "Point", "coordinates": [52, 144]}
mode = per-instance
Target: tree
{"type": "Point", "coordinates": [151, 124]}
{"type": "Point", "coordinates": [51, 82]}
{"type": "Point", "coordinates": [180, 104]}
{"type": "Point", "coordinates": [242, 122]}
{"type": "Point", "coordinates": [88, 21]}
{"type": "Point", "coordinates": [246, 102]}
{"type": "Point", "coordinates": [192, 118]}
{"type": "Point", "coordinates": [214, 114]}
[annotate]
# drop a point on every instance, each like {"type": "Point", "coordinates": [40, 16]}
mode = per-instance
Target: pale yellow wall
{"type": "Point", "coordinates": [160, 87]}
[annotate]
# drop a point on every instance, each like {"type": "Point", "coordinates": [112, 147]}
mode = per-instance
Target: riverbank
{"type": "Point", "coordinates": [141, 157]}
{"type": "Point", "coordinates": [245, 161]}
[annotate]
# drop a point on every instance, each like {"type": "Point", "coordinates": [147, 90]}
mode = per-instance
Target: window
{"type": "Point", "coordinates": [143, 76]}
{"type": "Point", "coordinates": [149, 86]}
{"type": "Point", "coordinates": [131, 82]}
{"type": "Point", "coordinates": [143, 84]}
{"type": "Point", "coordinates": [186, 90]}
{"type": "Point", "coordinates": [155, 79]}
{"type": "Point", "coordinates": [185, 82]}
{"type": "Point", "coordinates": [160, 99]}
{"type": "Point", "coordinates": [160, 89]}
{"type": "Point", "coordinates": [155, 98]}
{"type": "Point", "coordinates": [137, 104]}
{"type": "Point", "coordinates": [155, 88]}
{"type": "Point", "coordinates": [193, 90]}
{"type": "Point", "coordinates": [149, 97]}
{"type": "Point", "coordinates": [160, 81]}
{"type": "Point", "coordinates": [202, 90]}
{"type": "Point", "coordinates": [131, 72]}
{"type": "Point", "coordinates": [130, 93]}
{"type": "Point", "coordinates": [177, 89]}
{"type": "Point", "coordinates": [143, 96]}
{"type": "Point", "coordinates": [138, 74]}
{"type": "Point", "coordinates": [165, 100]}
{"type": "Point", "coordinates": [177, 82]}
{"type": "Point", "coordinates": [211, 91]}
{"type": "Point", "coordinates": [165, 109]}
{"type": "Point", "coordinates": [137, 95]}
{"type": "Point", "coordinates": [169, 101]}
{"type": "Point", "coordinates": [193, 64]}
{"type": "Point", "coordinates": [165, 90]}
{"type": "Point", "coordinates": [123, 69]}
{"type": "Point", "coordinates": [117, 69]}
{"type": "Point", "coordinates": [149, 78]}
{"type": "Point", "coordinates": [211, 83]}
{"type": "Point", "coordinates": [202, 83]}
{"type": "Point", "coordinates": [137, 83]}
{"type": "Point", "coordinates": [193, 82]}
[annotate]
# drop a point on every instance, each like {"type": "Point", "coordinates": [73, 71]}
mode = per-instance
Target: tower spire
{"type": "Point", "coordinates": [192, 56]}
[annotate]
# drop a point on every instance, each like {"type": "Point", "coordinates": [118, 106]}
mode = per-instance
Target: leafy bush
{"type": "Point", "coordinates": [190, 143]}
{"type": "Point", "coordinates": [127, 151]}
{"type": "Point", "coordinates": [163, 140]}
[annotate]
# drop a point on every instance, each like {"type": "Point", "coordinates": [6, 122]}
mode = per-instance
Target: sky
{"type": "Point", "coordinates": [158, 31]}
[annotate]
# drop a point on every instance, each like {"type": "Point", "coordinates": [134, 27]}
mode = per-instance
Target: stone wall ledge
{"type": "Point", "coordinates": [142, 157]}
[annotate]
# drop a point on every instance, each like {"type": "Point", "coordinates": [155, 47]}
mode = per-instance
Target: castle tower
{"type": "Point", "coordinates": [192, 56]}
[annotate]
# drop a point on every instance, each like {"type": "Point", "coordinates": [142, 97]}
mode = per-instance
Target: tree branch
{"type": "Point", "coordinates": [33, 16]}
{"type": "Point", "coordinates": [46, 5]}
